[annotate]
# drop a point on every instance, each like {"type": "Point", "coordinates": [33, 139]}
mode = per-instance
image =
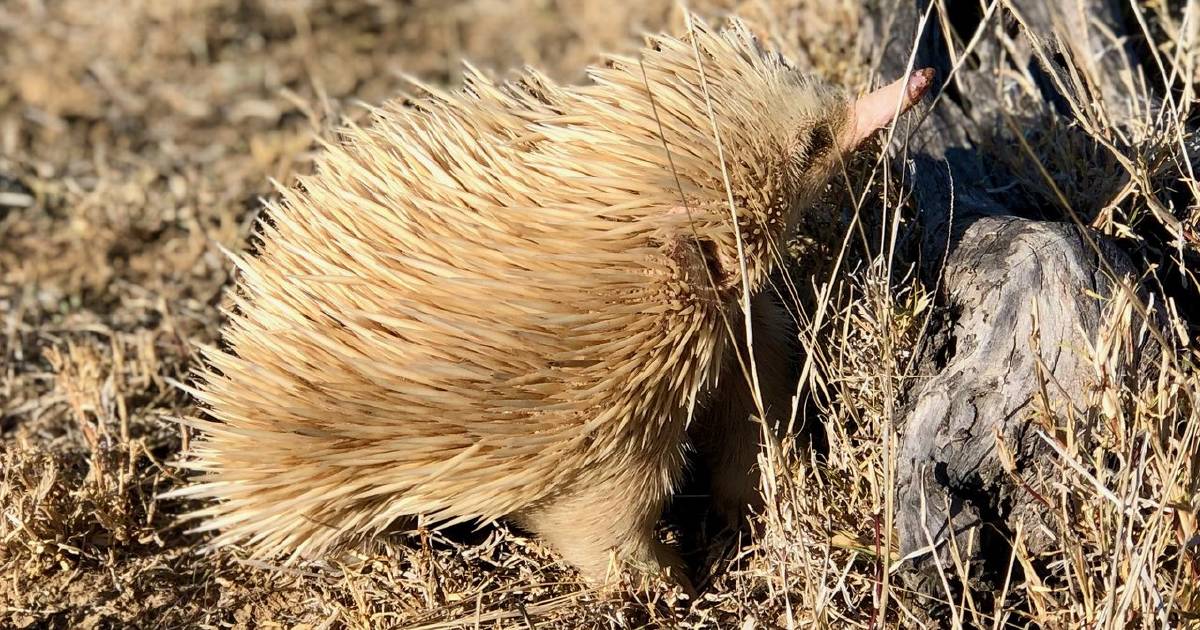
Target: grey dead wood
{"type": "Point", "coordinates": [1016, 294]}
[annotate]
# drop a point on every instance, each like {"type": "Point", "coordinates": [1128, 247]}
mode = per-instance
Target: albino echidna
{"type": "Point", "coordinates": [505, 302]}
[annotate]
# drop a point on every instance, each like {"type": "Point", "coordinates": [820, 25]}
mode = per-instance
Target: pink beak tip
{"type": "Point", "coordinates": [919, 83]}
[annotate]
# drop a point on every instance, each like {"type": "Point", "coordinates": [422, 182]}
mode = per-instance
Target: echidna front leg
{"type": "Point", "coordinates": [606, 525]}
{"type": "Point", "coordinates": [727, 432]}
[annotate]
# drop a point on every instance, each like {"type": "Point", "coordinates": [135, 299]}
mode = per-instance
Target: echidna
{"type": "Point", "coordinates": [506, 301]}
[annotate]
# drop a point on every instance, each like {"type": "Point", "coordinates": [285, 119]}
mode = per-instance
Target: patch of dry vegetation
{"type": "Point", "coordinates": [136, 137]}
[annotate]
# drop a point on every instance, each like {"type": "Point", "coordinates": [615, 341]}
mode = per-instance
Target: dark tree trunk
{"type": "Point", "coordinates": [1018, 293]}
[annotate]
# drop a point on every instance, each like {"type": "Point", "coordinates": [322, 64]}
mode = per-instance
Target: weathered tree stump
{"type": "Point", "coordinates": [1019, 294]}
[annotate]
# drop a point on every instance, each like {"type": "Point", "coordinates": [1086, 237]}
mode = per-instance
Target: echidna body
{"type": "Point", "coordinates": [505, 302]}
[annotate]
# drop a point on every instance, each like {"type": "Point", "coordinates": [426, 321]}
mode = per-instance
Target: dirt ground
{"type": "Point", "coordinates": [137, 138]}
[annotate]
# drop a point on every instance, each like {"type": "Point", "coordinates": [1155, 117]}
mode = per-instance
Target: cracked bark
{"type": "Point", "coordinates": [1016, 292]}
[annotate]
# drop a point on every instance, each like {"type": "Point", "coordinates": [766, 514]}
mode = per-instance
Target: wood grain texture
{"type": "Point", "coordinates": [1018, 297]}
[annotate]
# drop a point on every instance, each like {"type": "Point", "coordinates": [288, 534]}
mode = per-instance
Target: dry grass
{"type": "Point", "coordinates": [136, 137]}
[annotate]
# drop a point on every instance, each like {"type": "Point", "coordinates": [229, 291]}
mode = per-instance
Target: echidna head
{"type": "Point", "coordinates": [827, 127]}
{"type": "Point", "coordinates": [803, 135]}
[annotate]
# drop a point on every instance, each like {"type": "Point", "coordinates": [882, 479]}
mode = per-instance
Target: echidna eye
{"type": "Point", "coordinates": [819, 142]}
